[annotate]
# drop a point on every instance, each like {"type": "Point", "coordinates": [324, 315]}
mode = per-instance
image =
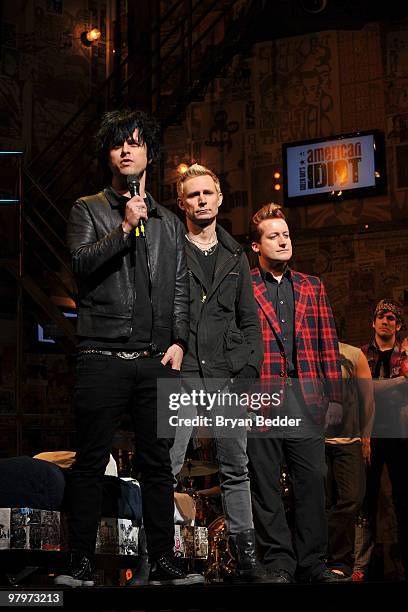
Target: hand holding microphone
{"type": "Point", "coordinates": [136, 209]}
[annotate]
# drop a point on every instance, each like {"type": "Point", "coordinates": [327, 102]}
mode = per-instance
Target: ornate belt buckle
{"type": "Point", "coordinates": [125, 355]}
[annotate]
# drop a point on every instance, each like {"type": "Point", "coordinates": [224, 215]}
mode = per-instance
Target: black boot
{"type": "Point", "coordinates": [248, 568]}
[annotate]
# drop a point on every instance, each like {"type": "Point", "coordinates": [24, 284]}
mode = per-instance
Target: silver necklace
{"type": "Point", "coordinates": [210, 247]}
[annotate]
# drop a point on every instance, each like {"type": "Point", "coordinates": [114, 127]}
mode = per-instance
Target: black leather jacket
{"type": "Point", "coordinates": [225, 315]}
{"type": "Point", "coordinates": [102, 263]}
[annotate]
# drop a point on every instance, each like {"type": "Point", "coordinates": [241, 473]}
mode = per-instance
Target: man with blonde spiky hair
{"type": "Point", "coordinates": [225, 342]}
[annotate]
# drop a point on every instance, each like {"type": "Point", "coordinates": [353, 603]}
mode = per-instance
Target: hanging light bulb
{"type": "Point", "coordinates": [93, 35]}
{"type": "Point", "coordinates": [90, 36]}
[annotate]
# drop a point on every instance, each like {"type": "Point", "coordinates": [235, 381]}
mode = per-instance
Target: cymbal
{"type": "Point", "coordinates": [212, 492]}
{"type": "Point", "coordinates": [198, 468]}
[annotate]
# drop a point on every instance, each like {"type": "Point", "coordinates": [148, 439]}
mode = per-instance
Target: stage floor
{"type": "Point", "coordinates": [385, 596]}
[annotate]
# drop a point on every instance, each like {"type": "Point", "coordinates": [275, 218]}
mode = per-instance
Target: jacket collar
{"type": "Point", "coordinates": [227, 240]}
{"type": "Point", "coordinates": [118, 201]}
{"type": "Point", "coordinates": [225, 260]}
{"type": "Point", "coordinates": [262, 297]}
{"type": "Point", "coordinates": [373, 346]}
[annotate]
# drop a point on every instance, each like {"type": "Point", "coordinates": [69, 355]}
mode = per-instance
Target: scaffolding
{"type": "Point", "coordinates": [16, 200]}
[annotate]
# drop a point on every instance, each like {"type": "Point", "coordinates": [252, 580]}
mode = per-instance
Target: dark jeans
{"type": "Point", "coordinates": [106, 387]}
{"type": "Point", "coordinates": [345, 489]}
{"type": "Point", "coordinates": [392, 452]}
{"type": "Point", "coordinates": [305, 551]}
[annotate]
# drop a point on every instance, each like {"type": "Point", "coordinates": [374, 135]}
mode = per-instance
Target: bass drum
{"type": "Point", "coordinates": [217, 526]}
{"type": "Point", "coordinates": [220, 562]}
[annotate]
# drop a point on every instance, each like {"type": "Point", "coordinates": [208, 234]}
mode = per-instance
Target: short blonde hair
{"type": "Point", "coordinates": [193, 171]}
{"type": "Point", "coordinates": [269, 211]}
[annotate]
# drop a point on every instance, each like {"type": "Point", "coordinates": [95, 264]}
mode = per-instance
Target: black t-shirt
{"type": "Point", "coordinates": [207, 263]}
{"type": "Point", "coordinates": [383, 365]}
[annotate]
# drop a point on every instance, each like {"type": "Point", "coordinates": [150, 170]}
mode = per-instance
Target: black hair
{"type": "Point", "coordinates": [119, 125]}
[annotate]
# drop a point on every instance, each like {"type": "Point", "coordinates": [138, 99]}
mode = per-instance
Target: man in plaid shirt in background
{"type": "Point", "coordinates": [301, 357]}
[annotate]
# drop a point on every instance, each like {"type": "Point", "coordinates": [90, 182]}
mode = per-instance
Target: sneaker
{"type": "Point", "coordinates": [358, 576]}
{"type": "Point", "coordinates": [79, 572]}
{"type": "Point", "coordinates": [167, 570]}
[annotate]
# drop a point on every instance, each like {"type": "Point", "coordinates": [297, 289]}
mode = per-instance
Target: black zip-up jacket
{"type": "Point", "coordinates": [102, 263]}
{"type": "Point", "coordinates": [225, 314]}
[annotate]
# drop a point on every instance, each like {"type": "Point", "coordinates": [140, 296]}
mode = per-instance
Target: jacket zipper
{"type": "Point", "coordinates": [224, 264]}
{"type": "Point", "coordinates": [203, 294]}
{"type": "Point", "coordinates": [148, 260]}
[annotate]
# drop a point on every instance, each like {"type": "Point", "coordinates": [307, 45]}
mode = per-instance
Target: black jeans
{"type": "Point", "coordinates": [305, 551]}
{"type": "Point", "coordinates": [392, 452]}
{"type": "Point", "coordinates": [106, 387]}
{"type": "Point", "coordinates": [345, 489]}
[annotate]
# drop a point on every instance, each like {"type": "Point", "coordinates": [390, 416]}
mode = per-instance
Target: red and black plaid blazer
{"type": "Point", "coordinates": [317, 352]}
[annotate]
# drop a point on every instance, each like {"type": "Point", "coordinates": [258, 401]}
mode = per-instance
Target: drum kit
{"type": "Point", "coordinates": [207, 504]}
{"type": "Point", "coordinates": [220, 561]}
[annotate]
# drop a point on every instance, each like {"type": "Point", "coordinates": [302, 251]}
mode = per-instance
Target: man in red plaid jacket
{"type": "Point", "coordinates": [302, 362]}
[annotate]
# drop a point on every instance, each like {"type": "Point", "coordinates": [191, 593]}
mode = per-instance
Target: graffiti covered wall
{"type": "Point", "coordinates": [293, 89]}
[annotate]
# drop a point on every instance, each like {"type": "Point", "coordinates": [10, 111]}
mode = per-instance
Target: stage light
{"type": "Point", "coordinates": [90, 36]}
{"type": "Point", "coordinates": [277, 178]}
{"type": "Point", "coordinates": [182, 168]}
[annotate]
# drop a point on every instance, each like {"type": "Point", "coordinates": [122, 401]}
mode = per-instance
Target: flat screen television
{"type": "Point", "coordinates": [325, 169]}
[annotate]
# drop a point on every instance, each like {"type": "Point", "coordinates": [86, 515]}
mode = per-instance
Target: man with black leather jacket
{"type": "Point", "coordinates": [225, 343]}
{"type": "Point", "coordinates": [133, 313]}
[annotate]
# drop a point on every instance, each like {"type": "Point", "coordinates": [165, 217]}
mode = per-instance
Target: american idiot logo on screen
{"type": "Point", "coordinates": [346, 166]}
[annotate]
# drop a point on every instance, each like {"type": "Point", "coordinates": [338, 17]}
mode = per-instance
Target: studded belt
{"type": "Point", "coordinates": [118, 354]}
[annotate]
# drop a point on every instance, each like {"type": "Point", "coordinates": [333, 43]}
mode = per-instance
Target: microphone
{"type": "Point", "coordinates": [133, 184]}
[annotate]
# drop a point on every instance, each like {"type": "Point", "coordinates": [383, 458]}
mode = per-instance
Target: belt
{"type": "Point", "coordinates": [118, 354]}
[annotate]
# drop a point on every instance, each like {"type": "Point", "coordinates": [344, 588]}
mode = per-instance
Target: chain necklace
{"type": "Point", "coordinates": [210, 247]}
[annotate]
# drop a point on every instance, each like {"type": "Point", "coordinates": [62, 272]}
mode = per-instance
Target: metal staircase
{"type": "Point", "coordinates": [192, 42]}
